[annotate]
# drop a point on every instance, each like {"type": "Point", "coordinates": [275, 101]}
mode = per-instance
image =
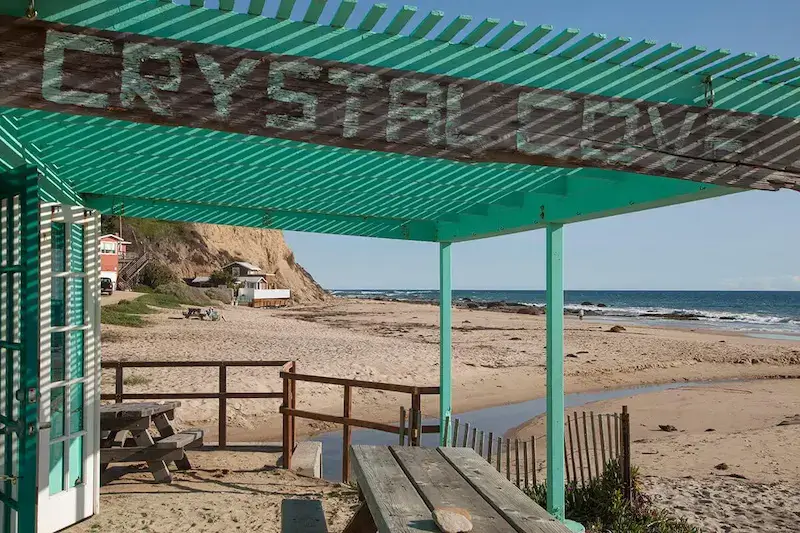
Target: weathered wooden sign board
{"type": "Point", "coordinates": [160, 81]}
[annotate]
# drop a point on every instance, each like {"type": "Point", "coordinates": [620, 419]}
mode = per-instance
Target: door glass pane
{"type": "Point", "coordinates": [57, 412]}
{"type": "Point", "coordinates": [75, 462]}
{"type": "Point", "coordinates": [56, 467]}
{"type": "Point", "coordinates": [57, 247]}
{"type": "Point", "coordinates": [76, 248]}
{"type": "Point", "coordinates": [76, 354]}
{"type": "Point", "coordinates": [57, 354]}
{"type": "Point", "coordinates": [58, 308]}
{"type": "Point", "coordinates": [76, 408]}
{"type": "Point", "coordinates": [76, 302]}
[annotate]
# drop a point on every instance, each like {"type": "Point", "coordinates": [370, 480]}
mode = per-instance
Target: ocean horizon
{"type": "Point", "coordinates": [766, 312]}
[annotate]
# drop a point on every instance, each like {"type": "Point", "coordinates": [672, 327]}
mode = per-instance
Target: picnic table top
{"type": "Point", "coordinates": [402, 485]}
{"type": "Point", "coordinates": [134, 410]}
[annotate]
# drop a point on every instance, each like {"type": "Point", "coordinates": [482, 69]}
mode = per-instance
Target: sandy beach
{"type": "Point", "coordinates": [499, 358]}
{"type": "Point", "coordinates": [729, 460]}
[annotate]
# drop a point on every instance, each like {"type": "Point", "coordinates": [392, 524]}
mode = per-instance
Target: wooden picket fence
{"type": "Point", "coordinates": [592, 443]}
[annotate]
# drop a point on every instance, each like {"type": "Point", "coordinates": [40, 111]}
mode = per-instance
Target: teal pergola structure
{"type": "Point", "coordinates": [132, 165]}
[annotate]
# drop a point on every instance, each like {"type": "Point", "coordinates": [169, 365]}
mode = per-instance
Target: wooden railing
{"type": "Point", "coordinates": [415, 431]}
{"type": "Point", "coordinates": [222, 394]}
{"type": "Point", "coordinates": [592, 443]}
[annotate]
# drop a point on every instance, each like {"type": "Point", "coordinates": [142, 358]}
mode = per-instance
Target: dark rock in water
{"type": "Point", "coordinates": [587, 303]}
{"type": "Point", "coordinates": [727, 318]}
{"type": "Point", "coordinates": [616, 329]}
{"type": "Point", "coordinates": [530, 311]}
{"type": "Point", "coordinates": [466, 299]}
{"type": "Point", "coordinates": [472, 306]}
{"type": "Point", "coordinates": [673, 316]}
{"type": "Point", "coordinates": [721, 466]}
{"type": "Point", "coordinates": [602, 305]}
{"type": "Point", "coordinates": [668, 428]}
{"type": "Point", "coordinates": [492, 305]}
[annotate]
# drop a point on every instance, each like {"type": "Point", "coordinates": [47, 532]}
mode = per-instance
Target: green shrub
{"type": "Point", "coordinates": [221, 277]}
{"type": "Point", "coordinates": [154, 275]}
{"type": "Point", "coordinates": [601, 508]}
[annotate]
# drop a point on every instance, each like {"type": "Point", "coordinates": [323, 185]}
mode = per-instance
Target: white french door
{"type": "Point", "coordinates": [69, 377]}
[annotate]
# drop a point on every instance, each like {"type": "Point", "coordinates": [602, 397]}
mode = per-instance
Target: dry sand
{"type": "Point", "coordinates": [224, 492]}
{"type": "Point", "coordinates": [499, 358]}
{"type": "Point", "coordinates": [729, 466]}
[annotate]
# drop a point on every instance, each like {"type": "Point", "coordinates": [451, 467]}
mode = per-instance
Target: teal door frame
{"type": "Point", "coordinates": [20, 351]}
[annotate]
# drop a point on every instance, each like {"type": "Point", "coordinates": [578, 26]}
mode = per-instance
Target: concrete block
{"type": "Point", "coordinates": [307, 459]}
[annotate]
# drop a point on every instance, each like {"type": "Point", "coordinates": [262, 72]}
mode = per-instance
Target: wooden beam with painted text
{"type": "Point", "coordinates": [159, 81]}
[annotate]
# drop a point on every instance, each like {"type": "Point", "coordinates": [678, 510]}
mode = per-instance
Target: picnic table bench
{"type": "Point", "coordinates": [402, 485]}
{"type": "Point", "coordinates": [125, 437]}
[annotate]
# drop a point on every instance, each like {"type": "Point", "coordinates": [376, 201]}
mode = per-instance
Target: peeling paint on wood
{"type": "Point", "coordinates": [132, 77]}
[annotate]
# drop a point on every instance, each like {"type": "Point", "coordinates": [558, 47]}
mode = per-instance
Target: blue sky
{"type": "Point", "coordinates": [744, 241]}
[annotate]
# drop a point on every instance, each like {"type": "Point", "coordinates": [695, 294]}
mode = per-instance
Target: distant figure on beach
{"type": "Point", "coordinates": [580, 314]}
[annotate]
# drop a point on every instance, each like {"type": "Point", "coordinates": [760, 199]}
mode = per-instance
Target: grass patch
{"type": "Point", "coordinates": [601, 508]}
{"type": "Point", "coordinates": [128, 312]}
{"type": "Point", "coordinates": [136, 379]}
{"type": "Point", "coordinates": [108, 316]}
{"type": "Point", "coordinates": [143, 288]}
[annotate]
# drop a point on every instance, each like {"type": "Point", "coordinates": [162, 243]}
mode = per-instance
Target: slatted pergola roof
{"type": "Point", "coordinates": [232, 177]}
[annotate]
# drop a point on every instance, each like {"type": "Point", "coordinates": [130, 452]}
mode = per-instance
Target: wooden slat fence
{"type": "Point", "coordinates": [593, 442]}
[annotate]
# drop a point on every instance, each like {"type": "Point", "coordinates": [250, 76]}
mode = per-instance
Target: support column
{"type": "Point", "coordinates": [445, 338]}
{"type": "Point", "coordinates": [555, 370]}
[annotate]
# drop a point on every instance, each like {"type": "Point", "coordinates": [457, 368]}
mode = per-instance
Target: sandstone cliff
{"type": "Point", "coordinates": [191, 250]}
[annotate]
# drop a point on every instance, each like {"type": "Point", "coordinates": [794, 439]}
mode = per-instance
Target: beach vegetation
{"type": "Point", "coordinates": [136, 379]}
{"type": "Point", "coordinates": [155, 274]}
{"type": "Point", "coordinates": [129, 312]}
{"type": "Point", "coordinates": [221, 278]}
{"type": "Point", "coordinates": [601, 507]}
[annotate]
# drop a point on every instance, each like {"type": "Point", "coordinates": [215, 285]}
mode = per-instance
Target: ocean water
{"type": "Point", "coordinates": [759, 312]}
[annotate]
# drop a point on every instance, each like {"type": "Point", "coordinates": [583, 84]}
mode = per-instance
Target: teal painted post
{"type": "Point", "coordinates": [555, 370]}
{"type": "Point", "coordinates": [29, 358]}
{"type": "Point", "coordinates": [445, 338]}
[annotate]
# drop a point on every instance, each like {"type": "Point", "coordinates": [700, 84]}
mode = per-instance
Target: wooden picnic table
{"type": "Point", "coordinates": [402, 485]}
{"type": "Point", "coordinates": [126, 437]}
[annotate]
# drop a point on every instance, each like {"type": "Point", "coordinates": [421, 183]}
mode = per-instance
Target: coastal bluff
{"type": "Point", "coordinates": [190, 250]}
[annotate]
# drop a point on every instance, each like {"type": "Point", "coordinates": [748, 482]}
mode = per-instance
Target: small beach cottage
{"type": "Point", "coordinates": [113, 248]}
{"type": "Point", "coordinates": [429, 130]}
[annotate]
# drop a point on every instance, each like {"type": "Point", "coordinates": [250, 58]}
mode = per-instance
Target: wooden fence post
{"type": "Point", "coordinates": [223, 406]}
{"type": "Point", "coordinates": [489, 452]}
{"type": "Point", "coordinates": [416, 408]}
{"type": "Point", "coordinates": [287, 426]}
{"type": "Point", "coordinates": [118, 383]}
{"type": "Point", "coordinates": [402, 426]}
{"type": "Point", "coordinates": [446, 431]}
{"type": "Point", "coordinates": [455, 433]}
{"type": "Point", "coordinates": [626, 453]}
{"type": "Point", "coordinates": [594, 446]}
{"type": "Point", "coordinates": [293, 403]}
{"type": "Point", "coordinates": [586, 444]}
{"type": "Point", "coordinates": [346, 435]}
